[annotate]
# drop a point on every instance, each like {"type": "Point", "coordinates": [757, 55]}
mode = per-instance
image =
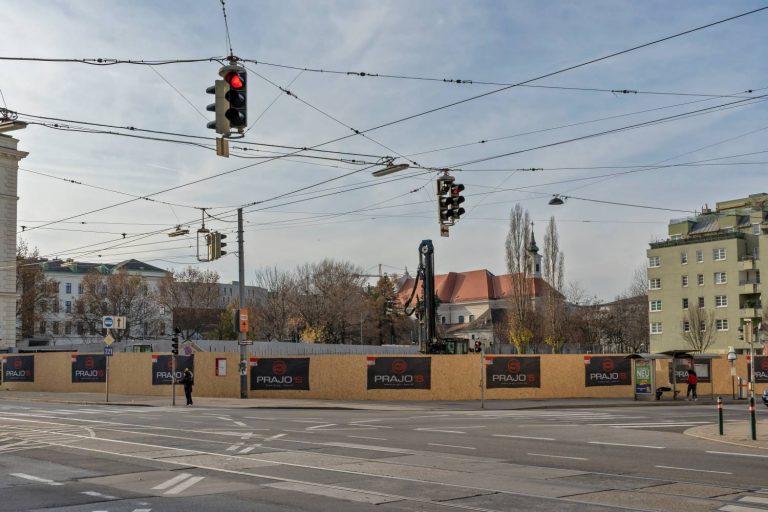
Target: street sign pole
{"type": "Point", "coordinates": [173, 380]}
{"type": "Point", "coordinates": [241, 286]}
{"type": "Point", "coordinates": [106, 377]}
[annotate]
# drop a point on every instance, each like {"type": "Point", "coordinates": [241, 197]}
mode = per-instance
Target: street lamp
{"type": "Point", "coordinates": [389, 169]}
{"type": "Point", "coordinates": [557, 200]}
{"type": "Point", "coordinates": [732, 360]}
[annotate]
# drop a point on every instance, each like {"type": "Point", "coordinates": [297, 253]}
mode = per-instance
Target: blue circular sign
{"type": "Point", "coordinates": [108, 321]}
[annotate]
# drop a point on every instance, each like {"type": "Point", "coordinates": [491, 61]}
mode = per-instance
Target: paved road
{"type": "Point", "coordinates": [60, 457]}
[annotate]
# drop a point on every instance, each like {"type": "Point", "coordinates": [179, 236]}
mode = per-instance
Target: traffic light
{"type": "Point", "coordinates": [209, 244]}
{"type": "Point", "coordinates": [214, 244]}
{"type": "Point", "coordinates": [236, 96]}
{"type": "Point", "coordinates": [221, 124]}
{"type": "Point", "coordinates": [175, 342]}
{"type": "Point", "coordinates": [478, 346]}
{"type": "Point", "coordinates": [220, 245]}
{"type": "Point", "coordinates": [444, 184]}
{"type": "Point", "coordinates": [456, 199]}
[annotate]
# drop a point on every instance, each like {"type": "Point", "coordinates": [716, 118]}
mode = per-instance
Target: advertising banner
{"type": "Point", "coordinates": [761, 369]}
{"type": "Point", "coordinates": [643, 377]}
{"type": "Point", "coordinates": [607, 371]}
{"type": "Point", "coordinates": [277, 374]}
{"type": "Point", "coordinates": [162, 366]}
{"type": "Point", "coordinates": [19, 369]}
{"type": "Point", "coordinates": [702, 367]}
{"type": "Point", "coordinates": [513, 372]}
{"type": "Point", "coordinates": [399, 372]}
{"type": "Point", "coordinates": [89, 368]}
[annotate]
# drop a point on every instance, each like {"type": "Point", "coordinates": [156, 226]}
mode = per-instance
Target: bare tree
{"type": "Point", "coordinates": [194, 298]}
{"type": "Point", "coordinates": [34, 290]}
{"type": "Point", "coordinates": [521, 314]}
{"type": "Point", "coordinates": [272, 316]}
{"type": "Point", "coordinates": [119, 294]}
{"type": "Point", "coordinates": [554, 314]}
{"type": "Point", "coordinates": [698, 328]}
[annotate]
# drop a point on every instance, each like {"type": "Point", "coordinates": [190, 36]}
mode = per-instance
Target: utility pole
{"type": "Point", "coordinates": [427, 257]}
{"type": "Point", "coordinates": [241, 286]}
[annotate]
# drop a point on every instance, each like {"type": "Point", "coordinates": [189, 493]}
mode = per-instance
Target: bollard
{"type": "Point", "coordinates": [752, 417]}
{"type": "Point", "coordinates": [720, 413]}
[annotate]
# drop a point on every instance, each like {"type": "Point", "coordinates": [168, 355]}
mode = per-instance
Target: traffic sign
{"type": "Point", "coordinates": [108, 339]}
{"type": "Point", "coordinates": [108, 351]}
{"type": "Point", "coordinates": [120, 322]}
{"type": "Point", "coordinates": [188, 350]}
{"type": "Point", "coordinates": [108, 321]}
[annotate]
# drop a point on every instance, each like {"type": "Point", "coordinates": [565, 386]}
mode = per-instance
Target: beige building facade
{"type": "Point", "coordinates": [708, 272]}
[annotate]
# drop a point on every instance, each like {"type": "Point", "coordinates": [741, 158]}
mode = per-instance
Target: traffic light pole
{"type": "Point", "coordinates": [427, 256]}
{"type": "Point", "coordinates": [241, 286]}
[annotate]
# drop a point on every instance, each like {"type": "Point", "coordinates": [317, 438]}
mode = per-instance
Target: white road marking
{"type": "Point", "coordinates": [276, 436]}
{"type": "Point", "coordinates": [452, 446]}
{"type": "Point", "coordinates": [556, 456]}
{"type": "Point", "coordinates": [650, 424]}
{"type": "Point", "coordinates": [223, 418]}
{"type": "Point", "coordinates": [737, 508]}
{"type": "Point", "coordinates": [184, 485]}
{"type": "Point", "coordinates": [246, 450]}
{"type": "Point", "coordinates": [35, 479]}
{"type": "Point", "coordinates": [321, 426]}
{"type": "Point", "coordinates": [526, 437]}
{"type": "Point", "coordinates": [373, 438]}
{"type": "Point", "coordinates": [142, 510]}
{"type": "Point", "coordinates": [440, 430]}
{"type": "Point", "coordinates": [740, 454]}
{"type": "Point", "coordinates": [754, 499]}
{"type": "Point", "coordinates": [388, 449]}
{"type": "Point", "coordinates": [246, 436]}
{"type": "Point", "coordinates": [234, 447]}
{"type": "Point", "coordinates": [173, 481]}
{"type": "Point", "coordinates": [699, 470]}
{"type": "Point", "coordinates": [99, 495]}
{"type": "Point", "coordinates": [629, 445]}
{"type": "Point", "coordinates": [240, 424]}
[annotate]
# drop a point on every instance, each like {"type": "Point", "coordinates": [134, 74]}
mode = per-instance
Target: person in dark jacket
{"type": "Point", "coordinates": [693, 380]}
{"type": "Point", "coordinates": [188, 380]}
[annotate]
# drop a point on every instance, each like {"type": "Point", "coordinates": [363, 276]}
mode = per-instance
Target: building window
{"type": "Point", "coordinates": [655, 305]}
{"type": "Point", "coordinates": [471, 318]}
{"type": "Point", "coordinates": [79, 288]}
{"type": "Point", "coordinates": [718, 254]}
{"type": "Point", "coordinates": [80, 329]}
{"type": "Point", "coordinates": [55, 305]}
{"type": "Point", "coordinates": [68, 328]}
{"type": "Point", "coordinates": [442, 319]}
{"type": "Point", "coordinates": [655, 327]}
{"type": "Point", "coordinates": [699, 256]}
{"type": "Point", "coordinates": [702, 326]}
{"type": "Point", "coordinates": [685, 303]}
{"type": "Point", "coordinates": [721, 325]}
{"type": "Point", "coordinates": [44, 307]}
{"type": "Point", "coordinates": [684, 258]}
{"type": "Point", "coordinates": [676, 237]}
{"type": "Point", "coordinates": [685, 281]}
{"type": "Point", "coordinates": [686, 326]}
{"type": "Point", "coordinates": [92, 329]}
{"type": "Point", "coordinates": [461, 319]}
{"type": "Point", "coordinates": [654, 261]}
{"type": "Point", "coordinates": [755, 229]}
{"type": "Point", "coordinates": [68, 306]}
{"type": "Point", "coordinates": [43, 326]}
{"type": "Point", "coordinates": [721, 278]}
{"type": "Point", "coordinates": [701, 302]}
{"type": "Point", "coordinates": [68, 288]}
{"type": "Point", "coordinates": [721, 301]}
{"type": "Point", "coordinates": [700, 279]}
{"type": "Point", "coordinates": [655, 283]}
{"type": "Point", "coordinates": [55, 327]}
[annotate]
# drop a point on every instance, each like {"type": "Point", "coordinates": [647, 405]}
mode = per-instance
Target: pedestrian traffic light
{"type": "Point", "coordinates": [221, 124]}
{"type": "Point", "coordinates": [236, 96]}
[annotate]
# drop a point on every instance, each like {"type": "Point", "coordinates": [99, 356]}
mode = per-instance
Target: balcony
{"type": "Point", "coordinates": [747, 263]}
{"type": "Point", "coordinates": [749, 287]}
{"type": "Point", "coordinates": [746, 312]}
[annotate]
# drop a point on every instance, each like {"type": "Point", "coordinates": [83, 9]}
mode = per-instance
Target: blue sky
{"type": "Point", "coordinates": [491, 41]}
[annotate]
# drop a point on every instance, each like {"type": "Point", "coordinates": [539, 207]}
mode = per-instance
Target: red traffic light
{"type": "Point", "coordinates": [234, 80]}
{"type": "Point", "coordinates": [456, 189]}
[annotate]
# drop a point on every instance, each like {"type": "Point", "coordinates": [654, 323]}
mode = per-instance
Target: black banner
{"type": "Point", "coordinates": [162, 366]}
{"type": "Point", "coordinates": [19, 369]}
{"type": "Point", "coordinates": [276, 374]}
{"type": "Point", "coordinates": [399, 372]}
{"type": "Point", "coordinates": [702, 366]}
{"type": "Point", "coordinates": [89, 368]}
{"type": "Point", "coordinates": [513, 372]}
{"type": "Point", "coordinates": [761, 369]}
{"type": "Point", "coordinates": [607, 371]}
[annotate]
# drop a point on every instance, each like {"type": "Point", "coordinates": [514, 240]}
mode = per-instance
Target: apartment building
{"type": "Point", "coordinates": [710, 262]}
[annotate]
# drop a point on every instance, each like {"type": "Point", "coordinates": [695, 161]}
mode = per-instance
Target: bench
{"type": "Point", "coordinates": [660, 391]}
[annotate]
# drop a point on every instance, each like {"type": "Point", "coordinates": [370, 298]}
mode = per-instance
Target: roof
{"type": "Point", "coordinates": [475, 285]}
{"type": "Point", "coordinates": [82, 267]}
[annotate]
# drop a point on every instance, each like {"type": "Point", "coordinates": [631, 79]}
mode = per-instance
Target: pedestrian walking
{"type": "Point", "coordinates": [693, 380]}
{"type": "Point", "coordinates": [188, 380]}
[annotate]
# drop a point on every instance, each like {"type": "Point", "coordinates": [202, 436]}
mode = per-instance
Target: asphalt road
{"type": "Point", "coordinates": [57, 457]}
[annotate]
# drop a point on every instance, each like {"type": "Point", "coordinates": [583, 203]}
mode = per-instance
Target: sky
{"type": "Point", "coordinates": [689, 94]}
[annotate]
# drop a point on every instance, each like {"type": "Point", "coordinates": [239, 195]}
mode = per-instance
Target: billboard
{"type": "Point", "coordinates": [89, 368]}
{"type": "Point", "coordinates": [761, 369]}
{"type": "Point", "coordinates": [512, 372]}
{"type": "Point", "coordinates": [277, 374]}
{"type": "Point", "coordinates": [399, 372]}
{"type": "Point", "coordinates": [607, 371]}
{"type": "Point", "coordinates": [19, 369]}
{"type": "Point", "coordinates": [162, 366]}
{"type": "Point", "coordinates": [702, 367]}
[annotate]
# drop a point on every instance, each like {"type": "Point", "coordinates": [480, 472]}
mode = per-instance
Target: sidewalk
{"type": "Point", "coordinates": [737, 433]}
{"type": "Point", "coordinates": [378, 405]}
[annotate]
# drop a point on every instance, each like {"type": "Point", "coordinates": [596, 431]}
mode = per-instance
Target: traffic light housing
{"type": "Point", "coordinates": [214, 243]}
{"type": "Point", "coordinates": [236, 96]}
{"type": "Point", "coordinates": [444, 184]}
{"type": "Point", "coordinates": [175, 343]}
{"type": "Point", "coordinates": [221, 124]}
{"type": "Point", "coordinates": [220, 245]}
{"type": "Point", "coordinates": [478, 346]}
{"type": "Point", "coordinates": [456, 200]}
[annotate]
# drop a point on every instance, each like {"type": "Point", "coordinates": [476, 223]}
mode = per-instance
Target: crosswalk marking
{"type": "Point", "coordinates": [739, 508]}
{"type": "Point", "coordinates": [184, 485]}
{"type": "Point", "coordinates": [99, 495]}
{"type": "Point", "coordinates": [177, 484]}
{"type": "Point", "coordinates": [754, 499]}
{"type": "Point", "coordinates": [35, 479]}
{"type": "Point", "coordinates": [173, 481]}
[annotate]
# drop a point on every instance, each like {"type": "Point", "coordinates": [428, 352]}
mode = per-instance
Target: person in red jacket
{"type": "Point", "coordinates": [693, 380]}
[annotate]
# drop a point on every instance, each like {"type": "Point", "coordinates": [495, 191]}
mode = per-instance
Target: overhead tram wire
{"type": "Point", "coordinates": [430, 111]}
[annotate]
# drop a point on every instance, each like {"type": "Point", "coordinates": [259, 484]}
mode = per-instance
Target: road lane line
{"type": "Point", "coordinates": [373, 438]}
{"type": "Point", "coordinates": [246, 436]}
{"type": "Point", "coordinates": [35, 479]}
{"type": "Point", "coordinates": [556, 456]}
{"type": "Point", "coordinates": [526, 437]}
{"type": "Point", "coordinates": [440, 430]}
{"type": "Point", "coordinates": [452, 446]}
{"type": "Point", "coordinates": [629, 445]}
{"type": "Point", "coordinates": [754, 499]}
{"type": "Point", "coordinates": [173, 481]}
{"type": "Point", "coordinates": [276, 436]}
{"type": "Point", "coordinates": [240, 424]}
{"type": "Point", "coordinates": [99, 495]}
{"type": "Point", "coordinates": [246, 450]}
{"type": "Point", "coordinates": [234, 447]}
{"type": "Point", "coordinates": [184, 485]}
{"type": "Point", "coordinates": [739, 454]}
{"type": "Point", "coordinates": [699, 470]}
{"type": "Point", "coordinates": [321, 426]}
